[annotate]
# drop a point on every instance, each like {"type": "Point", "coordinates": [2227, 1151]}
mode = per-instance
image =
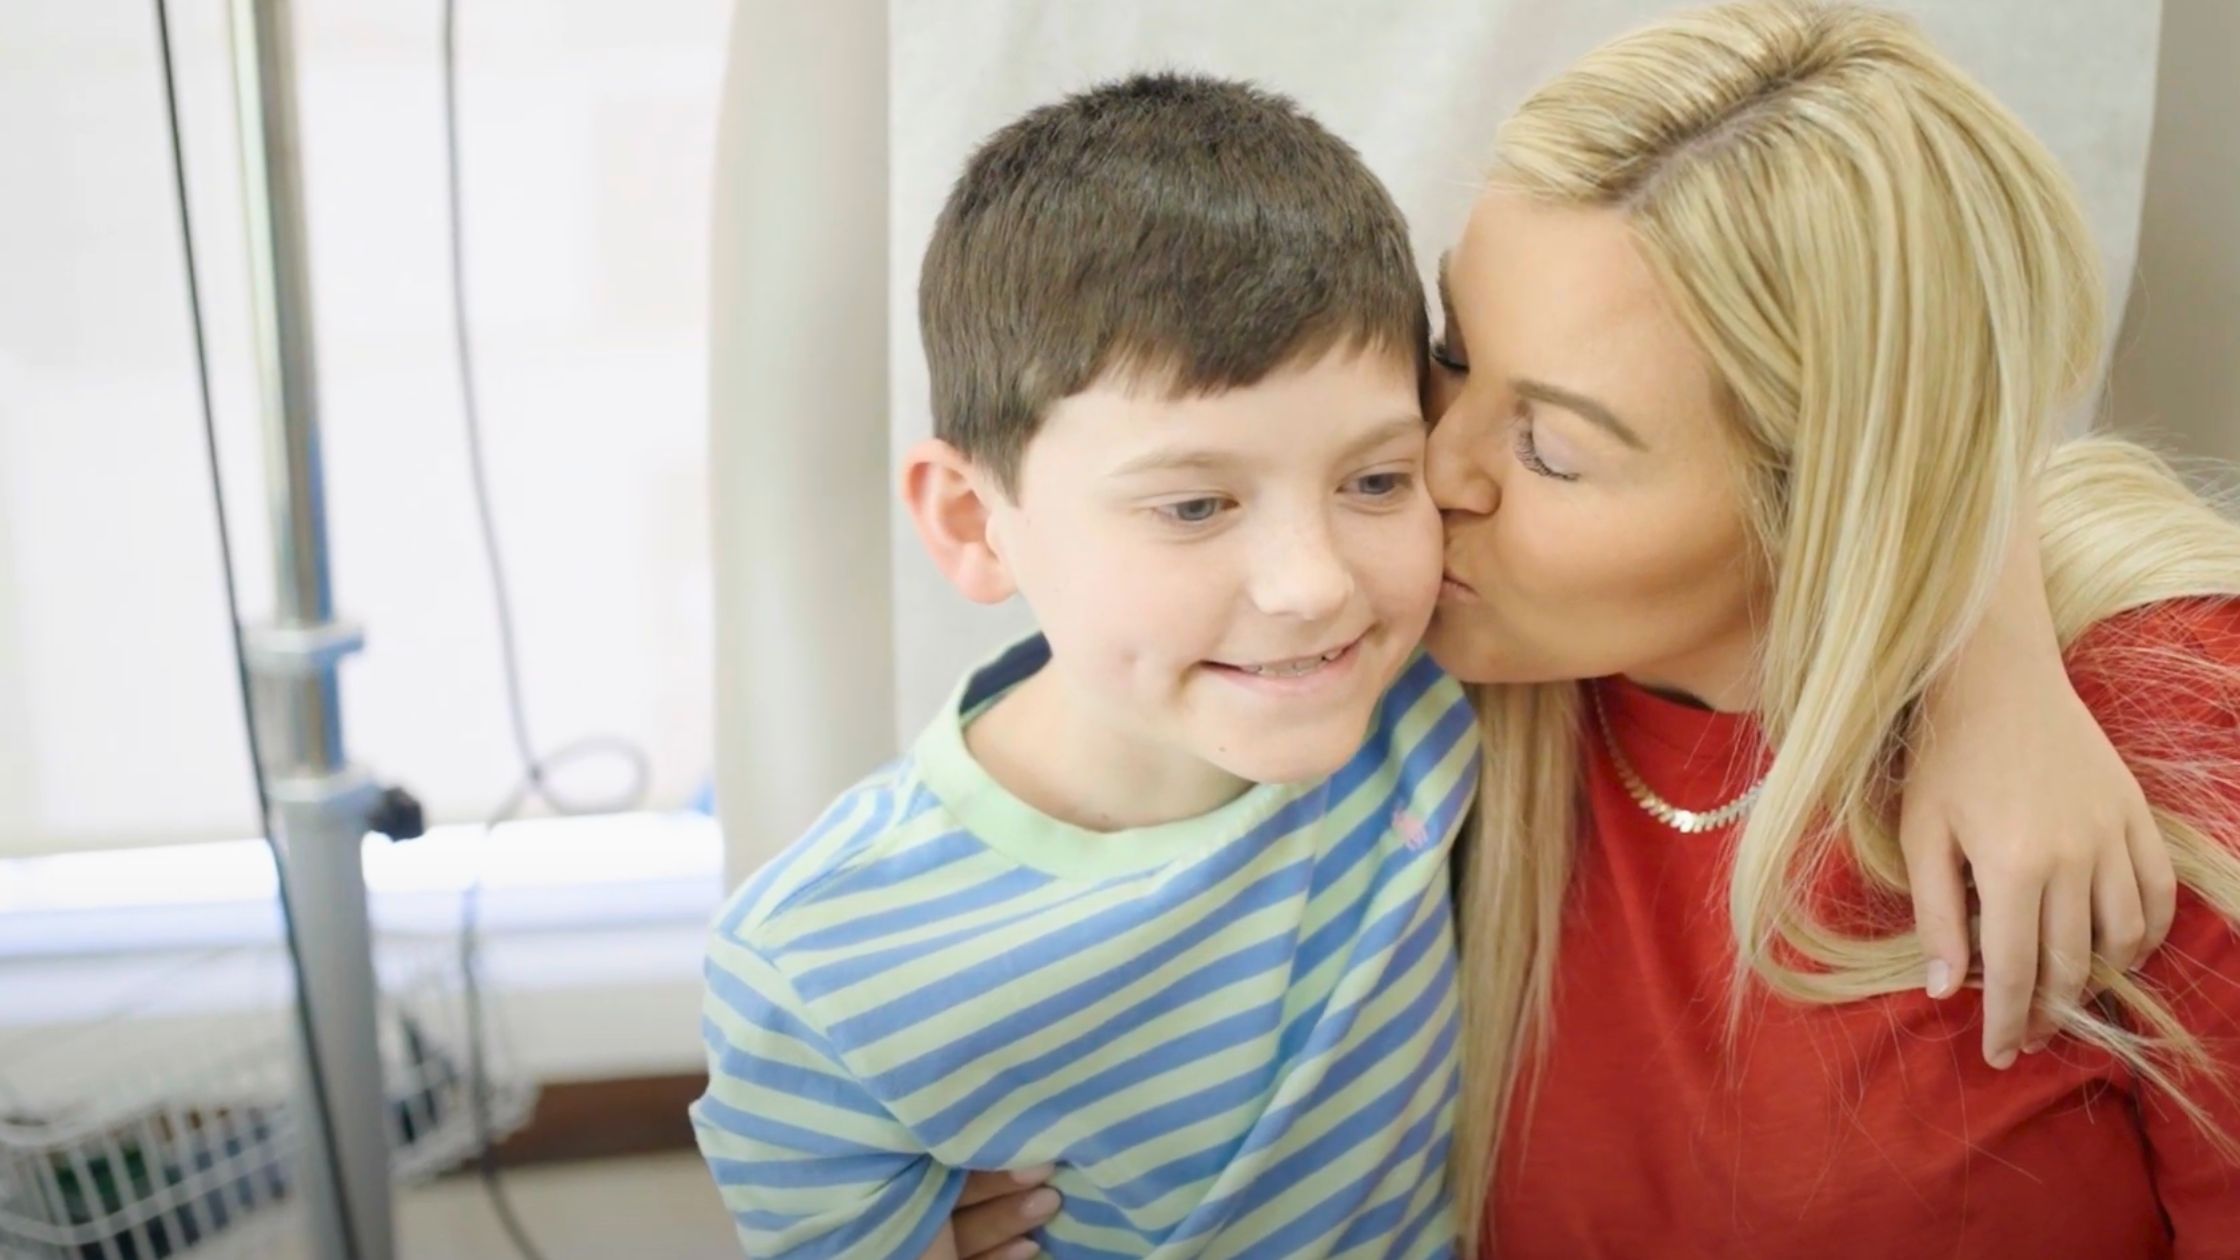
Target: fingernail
{"type": "Point", "coordinates": [2035, 1046]}
{"type": "Point", "coordinates": [1940, 978]}
{"type": "Point", "coordinates": [2003, 1060]}
{"type": "Point", "coordinates": [1041, 1203]}
{"type": "Point", "coordinates": [1034, 1176]}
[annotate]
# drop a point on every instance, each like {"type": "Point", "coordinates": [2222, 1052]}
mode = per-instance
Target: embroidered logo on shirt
{"type": "Point", "coordinates": [1411, 830]}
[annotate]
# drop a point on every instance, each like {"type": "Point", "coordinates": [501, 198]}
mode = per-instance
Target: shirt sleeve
{"type": "Point", "coordinates": [810, 1164]}
{"type": "Point", "coordinates": [2179, 727]}
{"type": "Point", "coordinates": [2197, 1171]}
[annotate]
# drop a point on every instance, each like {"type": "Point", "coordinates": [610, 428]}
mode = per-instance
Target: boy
{"type": "Point", "coordinates": [1160, 897]}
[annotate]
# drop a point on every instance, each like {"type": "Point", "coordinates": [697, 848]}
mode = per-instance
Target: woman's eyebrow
{"type": "Point", "coordinates": [1554, 395]}
{"type": "Point", "coordinates": [1579, 404]}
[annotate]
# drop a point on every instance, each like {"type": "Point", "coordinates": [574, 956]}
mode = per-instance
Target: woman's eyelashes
{"type": "Point", "coordinates": [1446, 357]}
{"type": "Point", "coordinates": [1530, 453]}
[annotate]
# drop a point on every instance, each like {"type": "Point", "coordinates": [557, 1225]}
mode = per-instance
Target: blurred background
{"type": "Point", "coordinates": [691, 231]}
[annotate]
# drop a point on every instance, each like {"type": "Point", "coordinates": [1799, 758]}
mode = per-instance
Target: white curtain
{"type": "Point", "coordinates": [2176, 380]}
{"type": "Point", "coordinates": [835, 646]}
{"type": "Point", "coordinates": [587, 130]}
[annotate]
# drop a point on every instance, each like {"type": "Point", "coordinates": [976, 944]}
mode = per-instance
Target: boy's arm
{"type": "Point", "coordinates": [2014, 779]}
{"type": "Point", "coordinates": [808, 1161]}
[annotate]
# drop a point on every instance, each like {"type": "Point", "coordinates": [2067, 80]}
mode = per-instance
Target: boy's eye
{"type": "Point", "coordinates": [1381, 485]}
{"type": "Point", "coordinates": [1193, 511]}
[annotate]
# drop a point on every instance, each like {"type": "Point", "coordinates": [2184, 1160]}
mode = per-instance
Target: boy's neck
{"type": "Point", "coordinates": [1048, 751]}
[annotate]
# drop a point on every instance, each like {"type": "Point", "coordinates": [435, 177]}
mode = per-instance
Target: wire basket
{"type": "Point", "coordinates": [171, 1129]}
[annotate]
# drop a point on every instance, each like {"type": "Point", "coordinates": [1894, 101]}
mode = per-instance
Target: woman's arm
{"type": "Point", "coordinates": [2013, 781]}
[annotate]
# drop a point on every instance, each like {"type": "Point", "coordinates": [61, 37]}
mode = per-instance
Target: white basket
{"type": "Point", "coordinates": [169, 1130]}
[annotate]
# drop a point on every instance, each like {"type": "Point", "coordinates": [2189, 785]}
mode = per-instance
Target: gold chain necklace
{"type": "Point", "coordinates": [1685, 821]}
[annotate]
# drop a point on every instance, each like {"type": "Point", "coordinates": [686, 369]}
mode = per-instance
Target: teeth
{"type": "Point", "coordinates": [1294, 669]}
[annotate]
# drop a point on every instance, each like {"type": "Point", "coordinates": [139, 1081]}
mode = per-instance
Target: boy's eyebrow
{"type": "Point", "coordinates": [1384, 431]}
{"type": "Point", "coordinates": [1175, 459]}
{"type": "Point", "coordinates": [1193, 458]}
{"type": "Point", "coordinates": [1580, 405]}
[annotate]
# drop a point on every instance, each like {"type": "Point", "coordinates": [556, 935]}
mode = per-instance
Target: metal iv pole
{"type": "Point", "coordinates": [321, 805]}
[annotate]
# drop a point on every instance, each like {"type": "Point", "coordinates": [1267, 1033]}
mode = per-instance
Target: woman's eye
{"type": "Point", "coordinates": [1382, 485]}
{"type": "Point", "coordinates": [1442, 353]}
{"type": "Point", "coordinates": [1193, 511]}
{"type": "Point", "coordinates": [1528, 451]}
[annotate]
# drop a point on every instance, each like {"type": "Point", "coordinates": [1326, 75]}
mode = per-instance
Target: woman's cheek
{"type": "Point", "coordinates": [1561, 549]}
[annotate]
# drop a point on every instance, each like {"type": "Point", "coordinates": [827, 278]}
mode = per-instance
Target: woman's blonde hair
{"type": "Point", "coordinates": [1897, 294]}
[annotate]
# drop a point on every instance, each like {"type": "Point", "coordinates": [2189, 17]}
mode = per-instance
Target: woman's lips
{"type": "Point", "coordinates": [1452, 587]}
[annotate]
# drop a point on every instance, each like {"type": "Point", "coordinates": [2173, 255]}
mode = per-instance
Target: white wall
{"type": "Point", "coordinates": [2177, 369]}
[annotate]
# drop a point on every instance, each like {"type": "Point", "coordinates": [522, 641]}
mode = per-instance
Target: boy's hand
{"type": "Point", "coordinates": [2014, 779]}
{"type": "Point", "coordinates": [995, 1215]}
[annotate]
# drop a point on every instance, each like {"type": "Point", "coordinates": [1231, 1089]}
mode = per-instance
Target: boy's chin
{"type": "Point", "coordinates": [1295, 756]}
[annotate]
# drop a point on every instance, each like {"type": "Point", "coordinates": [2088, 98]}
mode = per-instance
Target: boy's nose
{"type": "Point", "coordinates": [1302, 576]}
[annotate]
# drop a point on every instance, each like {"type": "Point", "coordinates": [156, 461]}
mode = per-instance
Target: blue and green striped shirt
{"type": "Point", "coordinates": [1234, 1035]}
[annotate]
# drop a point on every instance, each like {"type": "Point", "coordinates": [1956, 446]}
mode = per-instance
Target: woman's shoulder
{"type": "Point", "coordinates": [2164, 682]}
{"type": "Point", "coordinates": [2162, 667]}
{"type": "Point", "coordinates": [2207, 622]}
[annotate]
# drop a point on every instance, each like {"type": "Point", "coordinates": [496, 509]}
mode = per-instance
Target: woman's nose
{"type": "Point", "coordinates": [1458, 478]}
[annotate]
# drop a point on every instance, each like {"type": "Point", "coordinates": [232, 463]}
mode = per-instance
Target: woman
{"type": "Point", "coordinates": [1753, 348]}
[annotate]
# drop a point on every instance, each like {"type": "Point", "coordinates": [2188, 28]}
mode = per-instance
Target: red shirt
{"type": "Point", "coordinates": [1870, 1130]}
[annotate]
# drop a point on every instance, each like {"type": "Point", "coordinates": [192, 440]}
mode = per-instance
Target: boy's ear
{"type": "Point", "coordinates": [949, 500]}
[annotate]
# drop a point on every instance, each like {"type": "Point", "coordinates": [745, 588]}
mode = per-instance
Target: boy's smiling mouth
{"type": "Point", "coordinates": [1294, 671]}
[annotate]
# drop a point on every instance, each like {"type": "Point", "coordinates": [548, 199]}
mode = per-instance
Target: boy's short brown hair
{"type": "Point", "coordinates": [1188, 232]}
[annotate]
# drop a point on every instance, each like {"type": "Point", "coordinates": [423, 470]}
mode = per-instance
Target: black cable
{"type": "Point", "coordinates": [536, 772]}
{"type": "Point", "coordinates": [470, 979]}
{"type": "Point", "coordinates": [535, 769]}
{"type": "Point", "coordinates": [478, 1067]}
{"type": "Point", "coordinates": [306, 1026]}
